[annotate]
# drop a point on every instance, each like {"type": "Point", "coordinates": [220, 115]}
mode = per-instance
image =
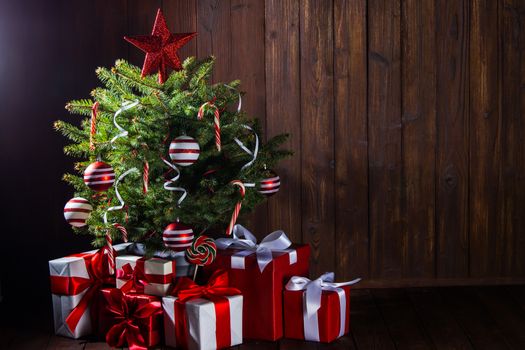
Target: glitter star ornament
{"type": "Point", "coordinates": [161, 48]}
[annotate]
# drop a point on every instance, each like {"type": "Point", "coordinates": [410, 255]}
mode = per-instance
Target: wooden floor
{"type": "Point", "coordinates": [418, 318]}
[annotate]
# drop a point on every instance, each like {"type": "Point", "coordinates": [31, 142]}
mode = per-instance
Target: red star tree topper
{"type": "Point", "coordinates": [161, 48]}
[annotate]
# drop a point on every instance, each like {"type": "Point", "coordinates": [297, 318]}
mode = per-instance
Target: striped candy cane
{"type": "Point", "coordinates": [237, 208]}
{"type": "Point", "coordinates": [216, 121]}
{"type": "Point", "coordinates": [93, 131]}
{"type": "Point", "coordinates": [111, 254]}
{"type": "Point", "coordinates": [122, 230]}
{"type": "Point", "coordinates": [145, 177]}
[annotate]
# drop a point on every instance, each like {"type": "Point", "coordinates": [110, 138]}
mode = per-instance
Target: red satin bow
{"type": "Point", "coordinates": [135, 276]}
{"type": "Point", "coordinates": [186, 289]}
{"type": "Point", "coordinates": [132, 320]}
{"type": "Point", "coordinates": [98, 270]}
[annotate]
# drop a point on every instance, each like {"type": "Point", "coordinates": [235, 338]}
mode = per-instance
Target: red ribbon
{"type": "Point", "coordinates": [136, 278]}
{"type": "Point", "coordinates": [216, 291]}
{"type": "Point", "coordinates": [98, 271]}
{"type": "Point", "coordinates": [132, 321]}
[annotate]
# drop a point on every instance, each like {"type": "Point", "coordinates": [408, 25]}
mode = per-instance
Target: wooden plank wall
{"type": "Point", "coordinates": [407, 120]}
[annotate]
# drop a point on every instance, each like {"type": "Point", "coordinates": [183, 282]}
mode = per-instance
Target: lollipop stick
{"type": "Point", "coordinates": [195, 272]}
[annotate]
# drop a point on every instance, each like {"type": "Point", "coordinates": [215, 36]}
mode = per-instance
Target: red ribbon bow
{"type": "Point", "coordinates": [136, 278]}
{"type": "Point", "coordinates": [216, 291]}
{"type": "Point", "coordinates": [98, 271]}
{"type": "Point", "coordinates": [132, 321]}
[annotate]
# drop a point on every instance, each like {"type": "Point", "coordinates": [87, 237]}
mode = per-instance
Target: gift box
{"type": "Point", "coordinates": [260, 272]}
{"type": "Point", "coordinates": [75, 280]}
{"type": "Point", "coordinates": [152, 276]}
{"type": "Point", "coordinates": [317, 310]}
{"type": "Point", "coordinates": [183, 267]}
{"type": "Point", "coordinates": [203, 317]}
{"type": "Point", "coordinates": [133, 320]}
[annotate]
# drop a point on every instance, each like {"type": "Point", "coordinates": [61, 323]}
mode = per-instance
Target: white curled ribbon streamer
{"type": "Point", "coordinates": [168, 185]}
{"type": "Point", "coordinates": [239, 105]}
{"type": "Point", "coordinates": [245, 149]}
{"type": "Point", "coordinates": [239, 142]}
{"type": "Point", "coordinates": [125, 106]}
{"type": "Point", "coordinates": [312, 300]}
{"type": "Point", "coordinates": [276, 241]}
{"type": "Point", "coordinates": [119, 197]}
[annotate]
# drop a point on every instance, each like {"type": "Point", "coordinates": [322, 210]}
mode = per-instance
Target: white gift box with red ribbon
{"type": "Point", "coordinates": [73, 267]}
{"type": "Point", "coordinates": [158, 274]}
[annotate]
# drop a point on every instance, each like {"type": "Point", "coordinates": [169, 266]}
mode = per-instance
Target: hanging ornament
{"type": "Point", "coordinates": [202, 251]}
{"type": "Point", "coordinates": [77, 211]}
{"type": "Point", "coordinates": [161, 48]}
{"type": "Point", "coordinates": [216, 121]}
{"type": "Point", "coordinates": [237, 208]}
{"type": "Point", "coordinates": [270, 185]}
{"type": "Point", "coordinates": [99, 176]}
{"type": "Point", "coordinates": [93, 128]}
{"type": "Point", "coordinates": [177, 236]}
{"type": "Point", "coordinates": [184, 150]}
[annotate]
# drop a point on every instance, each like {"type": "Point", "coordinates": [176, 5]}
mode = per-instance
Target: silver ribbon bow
{"type": "Point", "coordinates": [246, 242]}
{"type": "Point", "coordinates": [312, 300]}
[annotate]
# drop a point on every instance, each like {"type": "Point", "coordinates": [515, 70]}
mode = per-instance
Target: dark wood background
{"type": "Point", "coordinates": [407, 122]}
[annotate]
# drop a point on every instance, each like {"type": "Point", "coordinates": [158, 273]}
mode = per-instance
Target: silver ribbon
{"type": "Point", "coordinates": [125, 106]}
{"type": "Point", "coordinates": [168, 185]}
{"type": "Point", "coordinates": [245, 149]}
{"type": "Point", "coordinates": [312, 301]}
{"type": "Point", "coordinates": [246, 242]}
{"type": "Point", "coordinates": [119, 197]}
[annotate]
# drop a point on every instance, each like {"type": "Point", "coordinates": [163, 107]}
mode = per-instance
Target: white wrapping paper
{"type": "Point", "coordinates": [152, 266]}
{"type": "Point", "coordinates": [202, 322]}
{"type": "Point", "coordinates": [64, 304]}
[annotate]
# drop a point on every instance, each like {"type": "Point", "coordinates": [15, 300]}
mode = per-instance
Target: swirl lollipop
{"type": "Point", "coordinates": [201, 252]}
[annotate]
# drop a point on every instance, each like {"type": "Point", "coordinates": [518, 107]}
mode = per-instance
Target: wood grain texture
{"type": "Point", "coordinates": [486, 250]}
{"type": "Point", "coordinates": [452, 172]}
{"type": "Point", "coordinates": [351, 141]}
{"type": "Point", "coordinates": [513, 148]}
{"type": "Point", "coordinates": [247, 20]}
{"type": "Point", "coordinates": [387, 239]}
{"type": "Point", "coordinates": [418, 136]}
{"type": "Point", "coordinates": [182, 18]}
{"type": "Point", "coordinates": [283, 110]}
{"type": "Point", "coordinates": [317, 133]}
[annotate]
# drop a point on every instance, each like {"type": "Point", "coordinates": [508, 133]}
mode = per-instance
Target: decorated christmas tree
{"type": "Point", "coordinates": [163, 155]}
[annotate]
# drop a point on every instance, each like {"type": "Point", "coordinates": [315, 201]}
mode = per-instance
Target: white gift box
{"type": "Point", "coordinates": [202, 321]}
{"type": "Point", "coordinates": [154, 269]}
{"type": "Point", "coordinates": [72, 266]}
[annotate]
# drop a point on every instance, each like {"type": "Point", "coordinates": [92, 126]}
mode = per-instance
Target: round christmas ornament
{"type": "Point", "coordinates": [177, 236]}
{"type": "Point", "coordinates": [77, 211]}
{"type": "Point", "coordinates": [202, 251]}
{"type": "Point", "coordinates": [184, 150]}
{"type": "Point", "coordinates": [270, 185]}
{"type": "Point", "coordinates": [99, 176]}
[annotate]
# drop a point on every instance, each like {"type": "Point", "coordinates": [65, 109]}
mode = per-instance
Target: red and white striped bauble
{"type": "Point", "coordinates": [99, 176]}
{"type": "Point", "coordinates": [270, 185]}
{"type": "Point", "coordinates": [184, 150]}
{"type": "Point", "coordinates": [177, 236]}
{"type": "Point", "coordinates": [77, 211]}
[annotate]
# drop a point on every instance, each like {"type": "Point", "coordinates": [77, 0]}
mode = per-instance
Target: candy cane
{"type": "Point", "coordinates": [111, 255]}
{"type": "Point", "coordinates": [122, 230]}
{"type": "Point", "coordinates": [237, 208]}
{"type": "Point", "coordinates": [145, 177]}
{"type": "Point", "coordinates": [216, 121]}
{"type": "Point", "coordinates": [94, 111]}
